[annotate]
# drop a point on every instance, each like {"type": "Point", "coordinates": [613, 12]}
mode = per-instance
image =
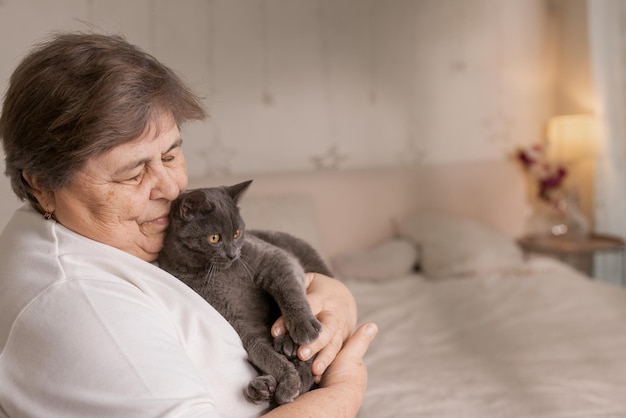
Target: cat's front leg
{"type": "Point", "coordinates": [265, 388]}
{"type": "Point", "coordinates": [261, 389]}
{"type": "Point", "coordinates": [285, 345]}
{"type": "Point", "coordinates": [281, 378]}
{"type": "Point", "coordinates": [283, 278]}
{"type": "Point", "coordinates": [303, 327]}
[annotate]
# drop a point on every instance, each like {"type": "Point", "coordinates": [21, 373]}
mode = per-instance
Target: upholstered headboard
{"type": "Point", "coordinates": [356, 209]}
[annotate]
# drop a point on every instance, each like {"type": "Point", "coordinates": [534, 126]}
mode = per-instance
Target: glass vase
{"type": "Point", "coordinates": [563, 216]}
{"type": "Point", "coordinates": [575, 220]}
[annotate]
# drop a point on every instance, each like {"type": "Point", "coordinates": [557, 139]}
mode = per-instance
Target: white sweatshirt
{"type": "Point", "coordinates": [87, 330]}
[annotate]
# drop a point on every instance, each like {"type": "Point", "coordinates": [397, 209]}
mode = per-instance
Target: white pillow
{"type": "Point", "coordinates": [451, 245]}
{"type": "Point", "coordinates": [388, 260]}
{"type": "Point", "coordinates": [292, 213]}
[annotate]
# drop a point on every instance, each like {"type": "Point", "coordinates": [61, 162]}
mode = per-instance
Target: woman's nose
{"type": "Point", "coordinates": [166, 185]}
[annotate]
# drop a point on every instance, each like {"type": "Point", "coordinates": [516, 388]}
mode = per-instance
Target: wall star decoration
{"type": "Point", "coordinates": [411, 154]}
{"type": "Point", "coordinates": [217, 158]}
{"type": "Point", "coordinates": [331, 159]}
{"type": "Point", "coordinates": [498, 126]}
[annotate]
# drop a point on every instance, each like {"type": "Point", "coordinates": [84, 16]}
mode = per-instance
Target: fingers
{"type": "Point", "coordinates": [329, 342]}
{"type": "Point", "coordinates": [358, 343]}
{"type": "Point", "coordinates": [348, 366]}
{"type": "Point", "coordinates": [328, 295]}
{"type": "Point", "coordinates": [278, 328]}
{"type": "Point", "coordinates": [327, 345]}
{"type": "Point", "coordinates": [355, 347]}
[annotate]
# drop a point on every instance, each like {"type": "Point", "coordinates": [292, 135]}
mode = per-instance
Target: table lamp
{"type": "Point", "coordinates": [573, 139]}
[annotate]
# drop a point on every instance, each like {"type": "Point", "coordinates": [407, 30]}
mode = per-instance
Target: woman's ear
{"type": "Point", "coordinates": [32, 181]}
{"type": "Point", "coordinates": [44, 197]}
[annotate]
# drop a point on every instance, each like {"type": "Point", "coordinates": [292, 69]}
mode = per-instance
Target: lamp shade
{"type": "Point", "coordinates": [573, 137]}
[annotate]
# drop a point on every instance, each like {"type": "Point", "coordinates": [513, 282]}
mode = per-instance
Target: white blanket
{"type": "Point", "coordinates": [541, 341]}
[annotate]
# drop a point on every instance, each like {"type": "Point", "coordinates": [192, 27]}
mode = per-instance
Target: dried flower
{"type": "Point", "coordinates": [549, 175]}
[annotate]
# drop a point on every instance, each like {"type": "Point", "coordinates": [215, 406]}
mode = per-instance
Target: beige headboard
{"type": "Point", "coordinates": [356, 209]}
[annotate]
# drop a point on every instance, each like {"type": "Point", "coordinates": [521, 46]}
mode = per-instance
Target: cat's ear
{"type": "Point", "coordinates": [189, 205]}
{"type": "Point", "coordinates": [236, 191]}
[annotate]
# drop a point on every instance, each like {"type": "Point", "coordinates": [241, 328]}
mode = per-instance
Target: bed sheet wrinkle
{"type": "Point", "coordinates": [547, 343]}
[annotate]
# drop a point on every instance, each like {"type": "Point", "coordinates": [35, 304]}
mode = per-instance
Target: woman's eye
{"type": "Point", "coordinates": [167, 158]}
{"type": "Point", "coordinates": [237, 234]}
{"type": "Point", "coordinates": [214, 239]}
{"type": "Point", "coordinates": [135, 178]}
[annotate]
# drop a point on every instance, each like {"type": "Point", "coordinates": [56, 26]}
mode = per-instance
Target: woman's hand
{"type": "Point", "coordinates": [347, 373]}
{"type": "Point", "coordinates": [342, 387]}
{"type": "Point", "coordinates": [335, 307]}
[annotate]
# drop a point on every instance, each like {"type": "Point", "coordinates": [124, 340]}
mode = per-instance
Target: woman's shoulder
{"type": "Point", "coordinates": [49, 270]}
{"type": "Point", "coordinates": [38, 254]}
{"type": "Point", "coordinates": [41, 253]}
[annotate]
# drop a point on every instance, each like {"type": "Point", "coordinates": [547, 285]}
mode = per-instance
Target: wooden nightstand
{"type": "Point", "coordinates": [576, 251]}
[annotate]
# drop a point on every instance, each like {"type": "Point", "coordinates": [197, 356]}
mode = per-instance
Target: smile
{"type": "Point", "coordinates": [160, 222]}
{"type": "Point", "coordinates": [163, 219]}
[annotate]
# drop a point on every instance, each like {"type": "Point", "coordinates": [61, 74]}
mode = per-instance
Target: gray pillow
{"type": "Point", "coordinates": [391, 259]}
{"type": "Point", "coordinates": [451, 245]}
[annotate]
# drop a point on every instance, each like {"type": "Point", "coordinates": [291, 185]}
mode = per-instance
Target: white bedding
{"type": "Point", "coordinates": [510, 339]}
{"type": "Point", "coordinates": [538, 341]}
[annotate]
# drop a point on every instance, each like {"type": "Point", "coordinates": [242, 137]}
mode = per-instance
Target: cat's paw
{"type": "Point", "coordinates": [288, 389]}
{"type": "Point", "coordinates": [286, 346]}
{"type": "Point", "coordinates": [260, 389]}
{"type": "Point", "coordinates": [306, 331]}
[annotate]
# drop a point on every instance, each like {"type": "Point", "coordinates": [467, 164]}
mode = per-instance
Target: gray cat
{"type": "Point", "coordinates": [251, 278]}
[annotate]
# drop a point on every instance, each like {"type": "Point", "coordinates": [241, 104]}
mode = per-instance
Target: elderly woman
{"type": "Point", "coordinates": [89, 326]}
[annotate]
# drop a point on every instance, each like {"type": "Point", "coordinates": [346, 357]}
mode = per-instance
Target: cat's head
{"type": "Point", "coordinates": [207, 222]}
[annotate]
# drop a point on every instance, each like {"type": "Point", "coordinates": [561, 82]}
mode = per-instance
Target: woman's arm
{"type": "Point", "coordinates": [342, 387]}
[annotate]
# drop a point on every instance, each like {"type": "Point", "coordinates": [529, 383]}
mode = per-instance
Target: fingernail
{"type": "Point", "coordinates": [305, 353]}
{"type": "Point", "coordinates": [371, 329]}
{"type": "Point", "coordinates": [320, 367]}
{"type": "Point", "coordinates": [278, 331]}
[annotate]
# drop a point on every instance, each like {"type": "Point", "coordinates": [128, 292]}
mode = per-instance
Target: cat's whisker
{"type": "Point", "coordinates": [209, 276]}
{"type": "Point", "coordinates": [245, 267]}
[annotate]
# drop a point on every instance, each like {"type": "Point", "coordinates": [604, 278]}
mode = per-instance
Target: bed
{"type": "Point", "coordinates": [469, 325]}
{"type": "Point", "coordinates": [541, 342]}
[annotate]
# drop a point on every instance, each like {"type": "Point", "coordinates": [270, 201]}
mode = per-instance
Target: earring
{"type": "Point", "coordinates": [47, 216]}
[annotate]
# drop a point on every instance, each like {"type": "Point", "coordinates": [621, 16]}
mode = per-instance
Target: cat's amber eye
{"type": "Point", "coordinates": [237, 234]}
{"type": "Point", "coordinates": [214, 239]}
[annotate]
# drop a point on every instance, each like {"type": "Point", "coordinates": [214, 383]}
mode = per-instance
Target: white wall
{"type": "Point", "coordinates": [314, 84]}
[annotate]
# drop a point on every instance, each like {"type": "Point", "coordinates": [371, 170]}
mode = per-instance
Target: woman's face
{"type": "Point", "coordinates": [122, 198]}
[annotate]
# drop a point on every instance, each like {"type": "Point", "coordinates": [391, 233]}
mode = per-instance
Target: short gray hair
{"type": "Point", "coordinates": [77, 96]}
